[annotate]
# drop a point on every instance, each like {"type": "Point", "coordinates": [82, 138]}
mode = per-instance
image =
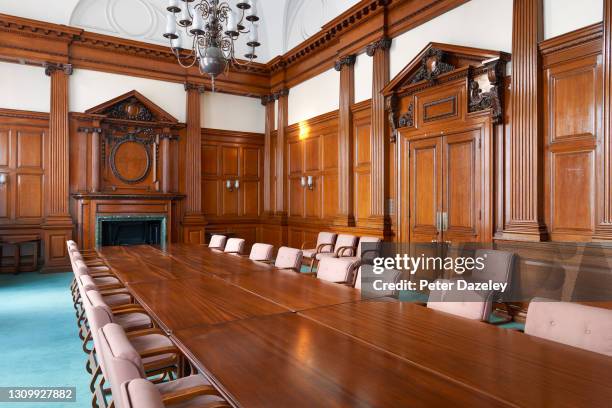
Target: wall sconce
{"type": "Point", "coordinates": [3, 179]}
{"type": "Point", "coordinates": [236, 184]}
{"type": "Point", "coordinates": [303, 181]}
{"type": "Point", "coordinates": [229, 186]}
{"type": "Point", "coordinates": [310, 182]}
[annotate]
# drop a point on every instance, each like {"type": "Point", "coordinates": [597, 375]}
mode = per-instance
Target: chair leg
{"type": "Point", "coordinates": [312, 261]}
{"type": "Point", "coordinates": [94, 379]}
{"type": "Point", "coordinates": [87, 339]}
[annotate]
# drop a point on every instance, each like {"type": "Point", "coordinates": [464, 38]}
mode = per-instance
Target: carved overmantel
{"type": "Point", "coordinates": [438, 64]}
{"type": "Point", "coordinates": [131, 146]}
{"type": "Point", "coordinates": [129, 162]}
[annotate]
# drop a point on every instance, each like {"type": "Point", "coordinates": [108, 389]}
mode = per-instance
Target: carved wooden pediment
{"type": "Point", "coordinates": [133, 106]}
{"type": "Point", "coordinates": [437, 64]}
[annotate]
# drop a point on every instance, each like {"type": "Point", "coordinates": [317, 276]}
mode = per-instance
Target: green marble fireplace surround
{"type": "Point", "coordinates": [100, 219]}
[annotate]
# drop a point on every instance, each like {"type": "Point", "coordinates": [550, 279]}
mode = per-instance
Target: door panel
{"type": "Point", "coordinates": [462, 187]}
{"type": "Point", "coordinates": [251, 198]}
{"type": "Point", "coordinates": [425, 189]}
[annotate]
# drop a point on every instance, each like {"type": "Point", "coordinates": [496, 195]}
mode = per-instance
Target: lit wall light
{"type": "Point", "coordinates": [310, 182]}
{"type": "Point", "coordinates": [236, 184]}
{"type": "Point", "coordinates": [303, 181]}
{"type": "Point", "coordinates": [229, 186]}
{"type": "Point", "coordinates": [3, 179]}
{"type": "Point", "coordinates": [304, 130]}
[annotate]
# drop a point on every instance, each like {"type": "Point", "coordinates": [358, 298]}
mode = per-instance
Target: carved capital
{"type": "Point", "coordinates": [345, 61]}
{"type": "Point", "coordinates": [382, 44]}
{"type": "Point", "coordinates": [266, 99]}
{"type": "Point", "coordinates": [281, 92]}
{"type": "Point", "coordinates": [51, 67]}
{"type": "Point", "coordinates": [194, 87]}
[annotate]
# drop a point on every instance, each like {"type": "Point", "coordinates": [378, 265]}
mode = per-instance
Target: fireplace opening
{"type": "Point", "coordinates": [128, 231]}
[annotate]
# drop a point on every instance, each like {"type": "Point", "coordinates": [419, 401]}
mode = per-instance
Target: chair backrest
{"type": "Point", "coordinates": [71, 245]}
{"type": "Point", "coordinates": [234, 245]}
{"type": "Point", "coordinates": [139, 393]}
{"type": "Point", "coordinates": [326, 238]}
{"type": "Point", "coordinates": [86, 283]}
{"type": "Point", "coordinates": [79, 268]}
{"type": "Point", "coordinates": [120, 358]}
{"type": "Point", "coordinates": [372, 243]}
{"type": "Point", "coordinates": [366, 275]}
{"type": "Point", "coordinates": [99, 314]}
{"type": "Point", "coordinates": [217, 241]}
{"type": "Point", "coordinates": [576, 325]}
{"type": "Point", "coordinates": [345, 240]}
{"type": "Point", "coordinates": [474, 305]}
{"type": "Point", "coordinates": [288, 258]}
{"type": "Point", "coordinates": [335, 269]}
{"type": "Point", "coordinates": [261, 252]}
{"type": "Point", "coordinates": [499, 265]}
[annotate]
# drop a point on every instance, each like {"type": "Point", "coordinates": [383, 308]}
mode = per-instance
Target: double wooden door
{"type": "Point", "coordinates": [446, 188]}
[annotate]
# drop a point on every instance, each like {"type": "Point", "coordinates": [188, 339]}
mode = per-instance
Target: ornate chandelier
{"type": "Point", "coordinates": [204, 32]}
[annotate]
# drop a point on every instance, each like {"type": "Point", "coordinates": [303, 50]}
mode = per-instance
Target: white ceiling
{"type": "Point", "coordinates": [283, 25]}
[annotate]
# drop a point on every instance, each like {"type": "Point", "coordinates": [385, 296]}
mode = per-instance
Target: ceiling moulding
{"type": "Point", "coordinates": [350, 32]}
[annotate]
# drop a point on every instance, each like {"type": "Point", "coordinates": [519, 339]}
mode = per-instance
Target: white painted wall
{"type": "Point", "coordinates": [478, 23]}
{"type": "Point", "coordinates": [363, 78]}
{"type": "Point", "coordinates": [314, 97]}
{"type": "Point", "coordinates": [231, 112]}
{"type": "Point", "coordinates": [91, 88]}
{"type": "Point", "coordinates": [24, 87]}
{"type": "Point", "coordinates": [563, 16]}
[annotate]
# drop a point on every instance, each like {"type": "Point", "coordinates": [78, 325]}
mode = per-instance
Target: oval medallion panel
{"type": "Point", "coordinates": [130, 161]}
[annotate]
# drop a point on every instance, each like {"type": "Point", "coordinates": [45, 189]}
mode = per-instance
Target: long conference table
{"type": "Point", "coordinates": [275, 338]}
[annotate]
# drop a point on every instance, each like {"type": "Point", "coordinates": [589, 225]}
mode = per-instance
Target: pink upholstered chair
{"type": "Point", "coordinates": [261, 252]}
{"type": "Point", "coordinates": [143, 337]}
{"type": "Point", "coordinates": [123, 363]}
{"type": "Point", "coordinates": [345, 246]}
{"type": "Point", "coordinates": [103, 281]}
{"type": "Point", "coordinates": [234, 246]}
{"type": "Point", "coordinates": [140, 393]}
{"type": "Point", "coordinates": [217, 242]}
{"type": "Point", "coordinates": [474, 305]}
{"type": "Point", "coordinates": [576, 325]}
{"type": "Point", "coordinates": [338, 270]}
{"type": "Point", "coordinates": [325, 243]}
{"type": "Point", "coordinates": [288, 258]}
{"type": "Point", "coordinates": [367, 246]}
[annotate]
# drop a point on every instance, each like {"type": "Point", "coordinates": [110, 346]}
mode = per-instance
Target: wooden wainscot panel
{"type": "Point", "coordinates": [573, 132]}
{"type": "Point", "coordinates": [444, 106]}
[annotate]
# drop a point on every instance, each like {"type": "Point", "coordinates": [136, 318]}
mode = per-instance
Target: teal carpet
{"type": "Point", "coordinates": [39, 343]}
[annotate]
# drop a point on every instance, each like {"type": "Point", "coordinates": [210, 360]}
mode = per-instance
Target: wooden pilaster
{"type": "Point", "coordinates": [603, 229]}
{"type": "Point", "coordinates": [524, 207]}
{"type": "Point", "coordinates": [193, 221]}
{"type": "Point", "coordinates": [346, 67]}
{"type": "Point", "coordinates": [268, 102]}
{"type": "Point", "coordinates": [57, 228]}
{"type": "Point", "coordinates": [281, 166]}
{"type": "Point", "coordinates": [379, 191]}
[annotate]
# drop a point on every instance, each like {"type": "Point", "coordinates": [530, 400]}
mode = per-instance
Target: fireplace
{"type": "Point", "coordinates": [112, 230]}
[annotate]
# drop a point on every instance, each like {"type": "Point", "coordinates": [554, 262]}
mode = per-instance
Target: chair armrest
{"type": "Point", "coordinates": [232, 252]}
{"type": "Point", "coordinates": [340, 252]}
{"type": "Point", "coordinates": [118, 291]}
{"type": "Point", "coordinates": [160, 351]}
{"type": "Point", "coordinates": [179, 396]}
{"type": "Point", "coordinates": [110, 286]}
{"type": "Point", "coordinates": [320, 248]}
{"type": "Point", "coordinates": [268, 261]}
{"type": "Point", "coordinates": [128, 310]}
{"type": "Point", "coordinates": [144, 332]}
